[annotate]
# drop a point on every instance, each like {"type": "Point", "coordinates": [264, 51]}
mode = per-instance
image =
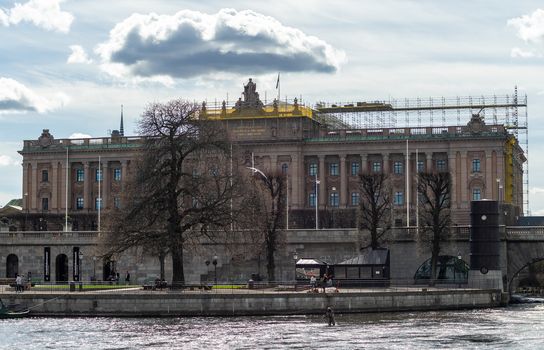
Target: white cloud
{"type": "Point", "coordinates": [7, 161]}
{"type": "Point", "coordinates": [190, 43]}
{"type": "Point", "coordinates": [4, 19]}
{"type": "Point", "coordinates": [78, 55]}
{"type": "Point", "coordinates": [516, 52]}
{"type": "Point", "coordinates": [530, 27]}
{"type": "Point", "coordinates": [42, 13]}
{"type": "Point", "coordinates": [79, 135]}
{"type": "Point", "coordinates": [16, 97]}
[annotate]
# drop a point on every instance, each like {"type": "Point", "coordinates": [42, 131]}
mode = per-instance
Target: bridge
{"type": "Point", "coordinates": [77, 254]}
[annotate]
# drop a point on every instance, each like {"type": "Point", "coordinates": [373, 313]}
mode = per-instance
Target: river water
{"type": "Point", "coordinates": [514, 327]}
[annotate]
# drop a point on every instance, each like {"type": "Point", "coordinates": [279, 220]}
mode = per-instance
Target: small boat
{"type": "Point", "coordinates": [5, 312]}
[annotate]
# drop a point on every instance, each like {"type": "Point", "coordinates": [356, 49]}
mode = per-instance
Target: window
{"type": "Point", "coordinates": [98, 203]}
{"type": "Point", "coordinates": [98, 175]}
{"type": "Point", "coordinates": [441, 164]}
{"type": "Point", "coordinates": [420, 166]}
{"type": "Point", "coordinates": [476, 194]}
{"type": "Point", "coordinates": [311, 200]}
{"type": "Point", "coordinates": [195, 174]}
{"type": "Point", "coordinates": [399, 198]}
{"type": "Point", "coordinates": [475, 165]}
{"type": "Point", "coordinates": [398, 167]}
{"type": "Point", "coordinates": [355, 168]}
{"type": "Point", "coordinates": [377, 167]}
{"type": "Point", "coordinates": [333, 199]}
{"type": "Point", "coordinates": [45, 176]}
{"type": "Point", "coordinates": [355, 198]}
{"type": "Point", "coordinates": [284, 168]}
{"type": "Point", "coordinates": [333, 169]}
{"type": "Point", "coordinates": [313, 169]}
{"type": "Point", "coordinates": [80, 175]}
{"type": "Point", "coordinates": [79, 203]}
{"type": "Point", "coordinates": [45, 203]}
{"type": "Point", "coordinates": [117, 202]}
{"type": "Point", "coordinates": [117, 174]}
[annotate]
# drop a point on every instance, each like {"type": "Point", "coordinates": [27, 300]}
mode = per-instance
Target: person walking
{"type": "Point", "coordinates": [312, 283]}
{"type": "Point", "coordinates": [18, 283]}
{"type": "Point", "coordinates": [127, 278]}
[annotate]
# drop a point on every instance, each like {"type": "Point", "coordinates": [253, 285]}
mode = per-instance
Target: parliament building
{"type": "Point", "coordinates": [78, 176]}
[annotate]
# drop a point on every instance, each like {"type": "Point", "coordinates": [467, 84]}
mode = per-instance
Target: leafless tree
{"type": "Point", "coordinates": [183, 188]}
{"type": "Point", "coordinates": [434, 189]}
{"type": "Point", "coordinates": [269, 200]}
{"type": "Point", "coordinates": [374, 208]}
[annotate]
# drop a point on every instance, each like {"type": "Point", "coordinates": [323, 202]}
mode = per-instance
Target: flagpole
{"type": "Point", "coordinates": [66, 194]}
{"type": "Point", "coordinates": [417, 193]}
{"type": "Point", "coordinates": [407, 186]}
{"type": "Point", "coordinates": [316, 203]}
{"type": "Point", "coordinates": [99, 194]}
{"type": "Point", "coordinates": [287, 204]}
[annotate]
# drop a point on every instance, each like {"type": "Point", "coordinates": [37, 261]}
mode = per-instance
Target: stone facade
{"type": "Point", "coordinates": [67, 176]}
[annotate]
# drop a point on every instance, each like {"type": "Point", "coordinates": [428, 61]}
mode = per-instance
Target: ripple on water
{"type": "Point", "coordinates": [513, 327]}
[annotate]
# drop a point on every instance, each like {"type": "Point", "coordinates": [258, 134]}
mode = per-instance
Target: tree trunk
{"type": "Point", "coordinates": [178, 276]}
{"type": "Point", "coordinates": [270, 263]}
{"type": "Point", "coordinates": [161, 262]}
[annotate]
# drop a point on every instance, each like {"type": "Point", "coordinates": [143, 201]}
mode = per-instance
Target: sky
{"type": "Point", "coordinates": [68, 66]}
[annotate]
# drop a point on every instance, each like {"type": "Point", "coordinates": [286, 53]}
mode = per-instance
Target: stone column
{"type": "Point", "coordinates": [105, 184]}
{"type": "Point", "coordinates": [124, 173]}
{"type": "Point", "coordinates": [34, 183]}
{"type": "Point", "coordinates": [453, 171]}
{"type": "Point", "coordinates": [65, 185]}
{"type": "Point", "coordinates": [343, 181]}
{"type": "Point", "coordinates": [87, 186]}
{"type": "Point", "coordinates": [273, 163]}
{"type": "Point", "coordinates": [26, 198]}
{"type": "Point", "coordinates": [295, 177]}
{"type": "Point", "coordinates": [54, 187]}
{"type": "Point", "coordinates": [323, 183]}
{"type": "Point", "coordinates": [364, 163]}
{"type": "Point", "coordinates": [386, 163]}
{"type": "Point", "coordinates": [490, 181]}
{"type": "Point", "coordinates": [429, 161]}
{"type": "Point", "coordinates": [464, 174]}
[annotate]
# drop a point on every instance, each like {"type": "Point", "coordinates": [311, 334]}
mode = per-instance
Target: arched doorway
{"type": "Point", "coordinates": [12, 266]}
{"type": "Point", "coordinates": [61, 268]}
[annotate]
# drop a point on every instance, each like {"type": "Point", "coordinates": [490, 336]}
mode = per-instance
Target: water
{"type": "Point", "coordinates": [515, 327]}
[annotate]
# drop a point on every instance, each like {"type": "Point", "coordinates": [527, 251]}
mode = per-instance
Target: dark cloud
{"type": "Point", "coordinates": [190, 44]}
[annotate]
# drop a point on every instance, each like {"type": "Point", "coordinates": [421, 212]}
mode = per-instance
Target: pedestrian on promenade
{"type": "Point", "coordinates": [117, 278]}
{"type": "Point", "coordinates": [312, 283]}
{"type": "Point", "coordinates": [324, 281]}
{"type": "Point", "coordinates": [127, 278]}
{"type": "Point", "coordinates": [330, 316]}
{"type": "Point", "coordinates": [18, 283]}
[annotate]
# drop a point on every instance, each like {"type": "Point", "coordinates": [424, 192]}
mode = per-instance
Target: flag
{"type": "Point", "coordinates": [278, 81]}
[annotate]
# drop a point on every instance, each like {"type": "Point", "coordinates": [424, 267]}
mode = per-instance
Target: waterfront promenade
{"type": "Point", "coordinates": [134, 301]}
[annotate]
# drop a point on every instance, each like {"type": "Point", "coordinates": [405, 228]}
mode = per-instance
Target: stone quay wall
{"type": "Point", "coordinates": [225, 304]}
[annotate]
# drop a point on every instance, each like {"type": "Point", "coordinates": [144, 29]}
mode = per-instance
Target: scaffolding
{"type": "Point", "coordinates": [507, 110]}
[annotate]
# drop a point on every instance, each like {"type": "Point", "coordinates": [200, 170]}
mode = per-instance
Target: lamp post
{"type": "Point", "coordinates": [26, 211]}
{"type": "Point", "coordinates": [94, 268]}
{"type": "Point", "coordinates": [316, 202]}
{"type": "Point", "coordinates": [214, 262]}
{"type": "Point", "coordinates": [79, 269]}
{"type": "Point", "coordinates": [499, 189]}
{"type": "Point", "coordinates": [295, 257]}
{"type": "Point", "coordinates": [207, 262]}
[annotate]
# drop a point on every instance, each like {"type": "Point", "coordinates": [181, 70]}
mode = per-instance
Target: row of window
{"type": "Point", "coordinates": [398, 198]}
{"type": "Point", "coordinates": [80, 175]}
{"type": "Point", "coordinates": [80, 203]}
{"type": "Point", "coordinates": [398, 167]}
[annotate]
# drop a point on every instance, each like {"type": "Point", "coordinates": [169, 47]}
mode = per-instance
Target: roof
{"type": "Point", "coordinates": [531, 221]}
{"type": "Point", "coordinates": [372, 257]}
{"type": "Point", "coordinates": [309, 261]}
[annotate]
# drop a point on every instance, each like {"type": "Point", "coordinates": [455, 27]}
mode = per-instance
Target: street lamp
{"type": "Point", "coordinates": [79, 269]}
{"type": "Point", "coordinates": [295, 257]}
{"type": "Point", "coordinates": [214, 262]}
{"type": "Point", "coordinates": [207, 262]}
{"type": "Point", "coordinates": [499, 189]}
{"type": "Point", "coordinates": [94, 268]}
